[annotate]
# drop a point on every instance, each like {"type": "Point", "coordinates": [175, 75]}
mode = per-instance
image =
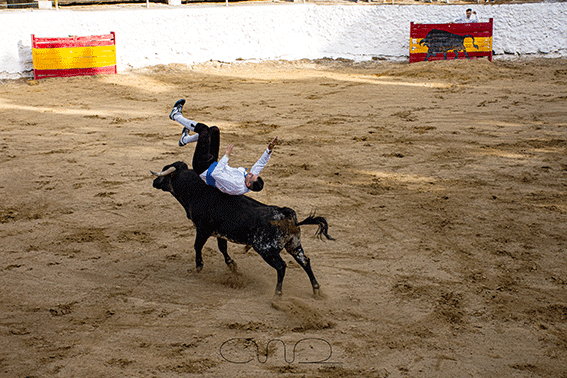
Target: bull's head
{"type": "Point", "coordinates": [163, 179]}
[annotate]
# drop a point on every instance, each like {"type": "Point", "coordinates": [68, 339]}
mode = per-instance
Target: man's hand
{"type": "Point", "coordinates": [272, 144]}
{"type": "Point", "coordinates": [229, 149]}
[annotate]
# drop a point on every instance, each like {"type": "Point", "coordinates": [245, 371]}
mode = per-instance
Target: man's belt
{"type": "Point", "coordinates": [209, 178]}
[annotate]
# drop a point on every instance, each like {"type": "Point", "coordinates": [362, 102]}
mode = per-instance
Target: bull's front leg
{"type": "Point", "coordinates": [200, 241]}
{"type": "Point", "coordinates": [223, 247]}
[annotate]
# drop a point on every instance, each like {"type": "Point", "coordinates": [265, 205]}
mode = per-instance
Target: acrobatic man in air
{"type": "Point", "coordinates": [219, 174]}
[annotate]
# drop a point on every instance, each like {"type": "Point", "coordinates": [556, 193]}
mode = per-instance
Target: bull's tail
{"type": "Point", "coordinates": [468, 35]}
{"type": "Point", "coordinates": [321, 222]}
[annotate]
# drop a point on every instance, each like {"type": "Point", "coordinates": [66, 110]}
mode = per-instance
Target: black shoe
{"type": "Point", "coordinates": [177, 108]}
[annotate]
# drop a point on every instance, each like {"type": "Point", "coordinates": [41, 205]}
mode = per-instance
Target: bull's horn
{"type": "Point", "coordinates": [168, 171]}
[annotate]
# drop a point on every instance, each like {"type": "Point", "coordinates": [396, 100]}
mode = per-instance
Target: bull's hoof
{"type": "Point", "coordinates": [233, 267]}
{"type": "Point", "coordinates": [278, 293]}
{"type": "Point", "coordinates": [199, 268]}
{"type": "Point", "coordinates": [317, 293]}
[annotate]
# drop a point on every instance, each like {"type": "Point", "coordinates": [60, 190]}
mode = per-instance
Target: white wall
{"type": "Point", "coordinates": [192, 34]}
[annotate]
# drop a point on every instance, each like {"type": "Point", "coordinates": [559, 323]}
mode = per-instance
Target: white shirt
{"type": "Point", "coordinates": [464, 19]}
{"type": "Point", "coordinates": [231, 180]}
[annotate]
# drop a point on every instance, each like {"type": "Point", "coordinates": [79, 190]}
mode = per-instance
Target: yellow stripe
{"type": "Point", "coordinates": [484, 45]}
{"type": "Point", "coordinates": [74, 57]}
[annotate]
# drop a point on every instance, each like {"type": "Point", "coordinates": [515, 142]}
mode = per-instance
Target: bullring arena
{"type": "Point", "coordinates": [443, 184]}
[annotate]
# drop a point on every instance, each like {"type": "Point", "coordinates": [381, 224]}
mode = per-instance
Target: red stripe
{"type": "Point", "coordinates": [41, 74]}
{"type": "Point", "coordinates": [94, 40]}
{"type": "Point", "coordinates": [480, 29]}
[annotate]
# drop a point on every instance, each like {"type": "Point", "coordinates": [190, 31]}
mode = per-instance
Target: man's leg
{"type": "Point", "coordinates": [188, 125]}
{"type": "Point", "coordinates": [214, 133]}
{"type": "Point", "coordinates": [204, 156]}
{"type": "Point", "coordinates": [186, 138]}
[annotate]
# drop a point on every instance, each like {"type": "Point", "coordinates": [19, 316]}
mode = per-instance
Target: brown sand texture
{"type": "Point", "coordinates": [443, 183]}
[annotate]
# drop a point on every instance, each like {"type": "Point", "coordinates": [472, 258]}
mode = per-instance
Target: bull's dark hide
{"type": "Point", "coordinates": [239, 219]}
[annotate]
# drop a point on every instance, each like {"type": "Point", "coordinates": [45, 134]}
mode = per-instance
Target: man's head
{"type": "Point", "coordinates": [254, 182]}
{"type": "Point", "coordinates": [468, 12]}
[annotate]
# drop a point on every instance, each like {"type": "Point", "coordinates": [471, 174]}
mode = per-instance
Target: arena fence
{"type": "Point", "coordinates": [450, 41]}
{"type": "Point", "coordinates": [74, 56]}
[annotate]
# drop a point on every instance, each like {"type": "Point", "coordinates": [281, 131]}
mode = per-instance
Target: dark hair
{"type": "Point", "coordinates": [257, 185]}
{"type": "Point", "coordinates": [469, 10]}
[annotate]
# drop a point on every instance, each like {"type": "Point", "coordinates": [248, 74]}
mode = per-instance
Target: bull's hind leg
{"type": "Point", "coordinates": [299, 256]}
{"type": "Point", "coordinates": [223, 247]}
{"type": "Point", "coordinates": [274, 259]}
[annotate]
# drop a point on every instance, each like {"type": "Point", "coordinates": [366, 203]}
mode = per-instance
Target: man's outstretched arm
{"type": "Point", "coordinates": [272, 144]}
{"type": "Point", "coordinates": [263, 161]}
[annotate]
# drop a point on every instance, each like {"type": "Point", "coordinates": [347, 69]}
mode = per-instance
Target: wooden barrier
{"type": "Point", "coordinates": [74, 56]}
{"type": "Point", "coordinates": [450, 41]}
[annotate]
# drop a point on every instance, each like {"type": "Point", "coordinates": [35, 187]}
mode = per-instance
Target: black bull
{"type": "Point", "coordinates": [239, 219]}
{"type": "Point", "coordinates": [441, 41]}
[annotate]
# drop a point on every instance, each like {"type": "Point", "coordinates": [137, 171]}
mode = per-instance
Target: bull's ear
{"type": "Point", "coordinates": [180, 166]}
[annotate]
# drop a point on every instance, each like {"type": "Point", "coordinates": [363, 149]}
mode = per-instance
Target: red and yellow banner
{"type": "Point", "coordinates": [74, 56]}
{"type": "Point", "coordinates": [450, 41]}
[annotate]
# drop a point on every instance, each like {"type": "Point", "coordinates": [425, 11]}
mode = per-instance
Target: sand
{"type": "Point", "coordinates": [444, 184]}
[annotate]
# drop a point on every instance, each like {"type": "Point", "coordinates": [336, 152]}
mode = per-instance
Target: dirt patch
{"type": "Point", "coordinates": [443, 183]}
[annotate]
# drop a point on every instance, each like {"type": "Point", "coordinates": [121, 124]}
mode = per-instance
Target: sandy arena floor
{"type": "Point", "coordinates": [444, 185]}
